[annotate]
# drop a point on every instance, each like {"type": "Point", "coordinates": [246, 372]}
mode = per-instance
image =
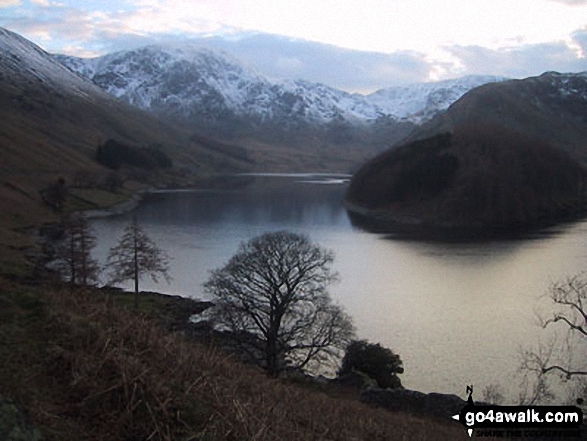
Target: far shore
{"type": "Point", "coordinates": [122, 207]}
{"type": "Point", "coordinates": [401, 226]}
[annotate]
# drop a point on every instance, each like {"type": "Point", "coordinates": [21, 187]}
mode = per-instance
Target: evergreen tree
{"type": "Point", "coordinates": [74, 260]}
{"type": "Point", "coordinates": [135, 255]}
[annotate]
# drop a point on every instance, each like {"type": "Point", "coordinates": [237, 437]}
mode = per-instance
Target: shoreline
{"type": "Point", "coordinates": [222, 182]}
{"type": "Point", "coordinates": [413, 228]}
{"type": "Point", "coordinates": [120, 208]}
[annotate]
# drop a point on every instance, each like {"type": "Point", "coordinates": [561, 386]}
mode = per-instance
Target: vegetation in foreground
{"type": "Point", "coordinates": [86, 367]}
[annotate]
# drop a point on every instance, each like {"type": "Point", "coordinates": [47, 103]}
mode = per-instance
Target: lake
{"type": "Point", "coordinates": [457, 314]}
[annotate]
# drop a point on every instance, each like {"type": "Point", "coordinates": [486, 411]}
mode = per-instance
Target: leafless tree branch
{"type": "Point", "coordinates": [275, 289]}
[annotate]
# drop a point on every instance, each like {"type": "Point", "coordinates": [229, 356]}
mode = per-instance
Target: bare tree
{"type": "Point", "coordinates": [272, 297]}
{"type": "Point", "coordinates": [74, 260]}
{"type": "Point", "coordinates": [493, 394]}
{"type": "Point", "coordinates": [136, 255]}
{"type": "Point", "coordinates": [568, 313]}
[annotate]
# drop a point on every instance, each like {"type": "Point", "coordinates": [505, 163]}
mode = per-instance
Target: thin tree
{"type": "Point", "coordinates": [135, 255]}
{"type": "Point", "coordinates": [271, 297]}
{"type": "Point", "coordinates": [55, 194]}
{"type": "Point", "coordinates": [74, 260]}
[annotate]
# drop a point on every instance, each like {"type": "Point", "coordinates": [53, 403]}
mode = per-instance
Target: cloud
{"type": "Point", "coordinates": [10, 3]}
{"type": "Point", "coordinates": [289, 63]}
{"type": "Point", "coordinates": [63, 29]}
{"type": "Point", "coordinates": [579, 43]}
{"type": "Point", "coordinates": [522, 61]}
{"type": "Point", "coordinates": [572, 2]}
{"type": "Point", "coordinates": [118, 25]}
{"type": "Point", "coordinates": [280, 57]}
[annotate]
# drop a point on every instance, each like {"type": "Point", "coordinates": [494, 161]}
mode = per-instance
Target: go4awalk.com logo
{"type": "Point", "coordinates": [520, 421]}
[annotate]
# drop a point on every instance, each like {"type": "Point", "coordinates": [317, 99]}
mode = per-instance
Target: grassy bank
{"type": "Point", "coordinates": [84, 366]}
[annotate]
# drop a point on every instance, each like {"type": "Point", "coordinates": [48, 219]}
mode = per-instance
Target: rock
{"type": "Point", "coordinates": [321, 380]}
{"type": "Point", "coordinates": [443, 404]}
{"type": "Point", "coordinates": [405, 400]}
{"type": "Point", "coordinates": [356, 379]}
{"type": "Point", "coordinates": [14, 425]}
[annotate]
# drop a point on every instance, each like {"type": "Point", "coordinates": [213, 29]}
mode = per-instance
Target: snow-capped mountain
{"type": "Point", "coordinates": [52, 120]}
{"type": "Point", "coordinates": [420, 102]}
{"type": "Point", "coordinates": [198, 83]}
{"type": "Point", "coordinates": [177, 81]}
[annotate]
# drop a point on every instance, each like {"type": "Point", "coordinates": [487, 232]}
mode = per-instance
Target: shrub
{"type": "Point", "coordinates": [376, 361]}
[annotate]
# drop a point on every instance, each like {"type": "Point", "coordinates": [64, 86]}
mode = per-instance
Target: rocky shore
{"type": "Point", "coordinates": [120, 208]}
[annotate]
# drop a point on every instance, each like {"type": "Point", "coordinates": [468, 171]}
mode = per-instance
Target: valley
{"type": "Point", "coordinates": [476, 154]}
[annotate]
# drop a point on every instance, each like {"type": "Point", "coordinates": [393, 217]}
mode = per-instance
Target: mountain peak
{"type": "Point", "coordinates": [191, 80]}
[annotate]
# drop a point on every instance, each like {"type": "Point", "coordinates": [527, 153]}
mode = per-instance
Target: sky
{"type": "Point", "coordinates": [358, 46]}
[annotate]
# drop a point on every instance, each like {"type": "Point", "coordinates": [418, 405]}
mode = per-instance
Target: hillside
{"type": "Point", "coordinates": [215, 94]}
{"type": "Point", "coordinates": [505, 156]}
{"type": "Point", "coordinates": [478, 180]}
{"type": "Point", "coordinates": [51, 123]}
{"type": "Point", "coordinates": [551, 107]}
{"type": "Point", "coordinates": [86, 368]}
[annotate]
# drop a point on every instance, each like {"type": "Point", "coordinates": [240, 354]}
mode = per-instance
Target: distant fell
{"type": "Point", "coordinates": [216, 95]}
{"type": "Point", "coordinates": [52, 120]}
{"type": "Point", "coordinates": [551, 107]}
{"type": "Point", "coordinates": [479, 179]}
{"type": "Point", "coordinates": [506, 156]}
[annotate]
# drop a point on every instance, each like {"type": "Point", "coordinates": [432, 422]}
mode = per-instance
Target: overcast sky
{"type": "Point", "coordinates": [354, 45]}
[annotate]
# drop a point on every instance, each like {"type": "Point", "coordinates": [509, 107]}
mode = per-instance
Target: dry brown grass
{"type": "Point", "coordinates": [107, 374]}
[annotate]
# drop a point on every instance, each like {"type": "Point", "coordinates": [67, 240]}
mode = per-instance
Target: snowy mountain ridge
{"type": "Point", "coordinates": [419, 102]}
{"type": "Point", "coordinates": [194, 80]}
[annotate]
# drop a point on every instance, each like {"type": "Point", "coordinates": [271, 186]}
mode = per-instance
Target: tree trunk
{"type": "Point", "coordinates": [271, 358]}
{"type": "Point", "coordinates": [73, 260]}
{"type": "Point", "coordinates": [136, 271]}
{"type": "Point", "coordinates": [83, 254]}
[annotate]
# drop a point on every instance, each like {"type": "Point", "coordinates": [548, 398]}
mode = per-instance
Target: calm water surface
{"type": "Point", "coordinates": [456, 313]}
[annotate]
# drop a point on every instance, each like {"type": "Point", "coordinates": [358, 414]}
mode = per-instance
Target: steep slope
{"type": "Point", "coordinates": [52, 121]}
{"type": "Point", "coordinates": [505, 156]}
{"type": "Point", "coordinates": [551, 107]}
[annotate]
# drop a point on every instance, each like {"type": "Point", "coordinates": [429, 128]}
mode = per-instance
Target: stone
{"type": "Point", "coordinates": [405, 400]}
{"type": "Point", "coordinates": [14, 425]}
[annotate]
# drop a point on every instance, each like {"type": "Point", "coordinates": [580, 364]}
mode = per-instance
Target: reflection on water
{"type": "Point", "coordinates": [456, 313]}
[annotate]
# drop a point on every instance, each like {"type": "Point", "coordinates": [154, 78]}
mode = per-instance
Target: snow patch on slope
{"type": "Point", "coordinates": [20, 57]}
{"type": "Point", "coordinates": [191, 79]}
